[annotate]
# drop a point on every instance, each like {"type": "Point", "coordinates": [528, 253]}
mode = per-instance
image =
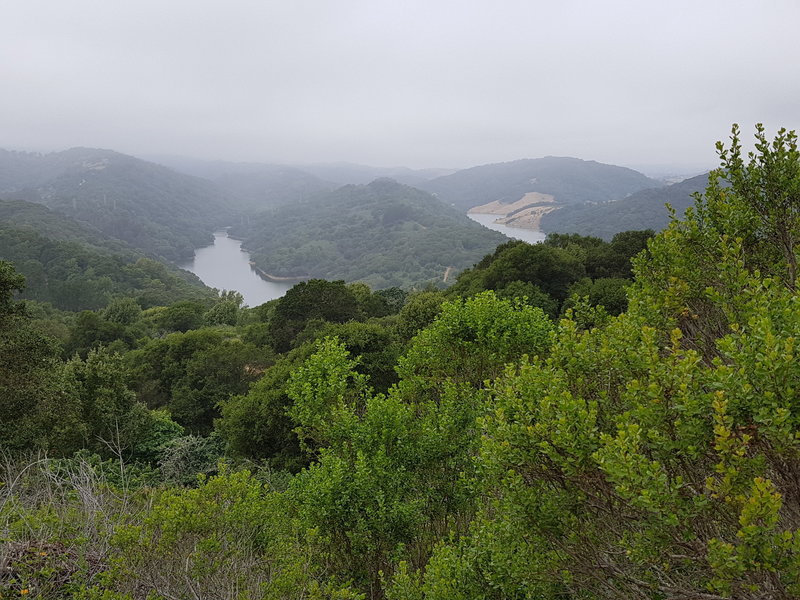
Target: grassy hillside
{"type": "Point", "coordinates": [154, 209]}
{"type": "Point", "coordinates": [643, 210]}
{"type": "Point", "coordinates": [385, 234]}
{"type": "Point", "coordinates": [569, 180]}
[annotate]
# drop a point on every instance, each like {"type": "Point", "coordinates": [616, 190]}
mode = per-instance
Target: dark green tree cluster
{"type": "Point", "coordinates": [550, 274]}
{"type": "Point", "coordinates": [55, 406]}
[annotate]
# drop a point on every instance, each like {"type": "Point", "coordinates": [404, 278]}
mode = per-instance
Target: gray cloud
{"type": "Point", "coordinates": [416, 83]}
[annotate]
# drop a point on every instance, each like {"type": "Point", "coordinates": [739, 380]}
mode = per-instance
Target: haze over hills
{"type": "Point", "coordinates": [252, 186]}
{"type": "Point", "coordinates": [259, 186]}
{"type": "Point", "coordinates": [384, 234]}
{"type": "Point", "coordinates": [311, 229]}
{"type": "Point", "coordinates": [644, 209]}
{"type": "Point", "coordinates": [568, 180]}
{"type": "Point", "coordinates": [153, 208]}
{"type": "Point", "coordinates": [345, 173]}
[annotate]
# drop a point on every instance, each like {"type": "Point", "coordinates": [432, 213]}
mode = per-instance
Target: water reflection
{"type": "Point", "coordinates": [518, 233]}
{"type": "Point", "coordinates": [224, 265]}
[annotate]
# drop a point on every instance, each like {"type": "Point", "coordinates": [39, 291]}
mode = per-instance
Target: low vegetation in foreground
{"type": "Point", "coordinates": [508, 438]}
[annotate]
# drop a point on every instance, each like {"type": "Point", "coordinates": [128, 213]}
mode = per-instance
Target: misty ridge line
{"type": "Point", "coordinates": [328, 223]}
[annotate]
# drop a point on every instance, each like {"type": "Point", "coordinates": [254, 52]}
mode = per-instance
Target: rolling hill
{"type": "Point", "coordinates": [568, 180]}
{"type": "Point", "coordinates": [642, 210]}
{"type": "Point", "coordinates": [77, 267]}
{"type": "Point", "coordinates": [384, 234]}
{"type": "Point", "coordinates": [156, 210]}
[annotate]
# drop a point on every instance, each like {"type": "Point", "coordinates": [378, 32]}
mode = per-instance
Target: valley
{"type": "Point", "coordinates": [406, 370]}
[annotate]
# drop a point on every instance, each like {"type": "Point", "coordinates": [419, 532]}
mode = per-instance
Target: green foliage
{"type": "Point", "coordinates": [649, 454]}
{"type": "Point", "coordinates": [229, 539]}
{"type": "Point", "coordinates": [550, 268]}
{"type": "Point", "coordinates": [32, 384]}
{"type": "Point", "coordinates": [106, 420]}
{"type": "Point", "coordinates": [226, 310]}
{"type": "Point", "coordinates": [700, 265]}
{"type": "Point", "coordinates": [190, 373]}
{"type": "Point", "coordinates": [383, 485]}
{"type": "Point", "coordinates": [256, 426]}
{"type": "Point", "coordinates": [318, 299]}
{"type": "Point", "coordinates": [765, 189]}
{"type": "Point", "coordinates": [606, 292]}
{"type": "Point", "coordinates": [376, 347]}
{"type": "Point", "coordinates": [532, 295]}
{"type": "Point", "coordinates": [472, 340]}
{"type": "Point", "coordinates": [52, 544]}
{"type": "Point", "coordinates": [182, 316]}
{"type": "Point", "coordinates": [11, 282]}
{"type": "Point", "coordinates": [125, 311]}
{"type": "Point", "coordinates": [547, 275]}
{"type": "Point", "coordinates": [155, 429]}
{"type": "Point", "coordinates": [183, 458]}
{"type": "Point", "coordinates": [418, 312]}
{"type": "Point", "coordinates": [393, 297]}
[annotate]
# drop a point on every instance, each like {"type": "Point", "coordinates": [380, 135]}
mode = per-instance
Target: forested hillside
{"type": "Point", "coordinates": [518, 435]}
{"type": "Point", "coordinates": [645, 209]}
{"type": "Point", "coordinates": [384, 234]}
{"type": "Point", "coordinates": [76, 267]}
{"type": "Point", "coordinates": [159, 212]}
{"type": "Point", "coordinates": [569, 180]}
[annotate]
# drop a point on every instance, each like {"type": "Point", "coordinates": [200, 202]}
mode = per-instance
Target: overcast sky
{"type": "Point", "coordinates": [420, 83]}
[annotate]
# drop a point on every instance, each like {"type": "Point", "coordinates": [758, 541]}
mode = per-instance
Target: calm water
{"type": "Point", "coordinates": [224, 265]}
{"type": "Point", "coordinates": [518, 233]}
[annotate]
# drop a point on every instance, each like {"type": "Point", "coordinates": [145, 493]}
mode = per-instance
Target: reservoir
{"type": "Point", "coordinates": [224, 265]}
{"type": "Point", "coordinates": [518, 233]}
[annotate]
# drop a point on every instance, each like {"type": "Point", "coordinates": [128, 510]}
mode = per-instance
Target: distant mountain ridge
{"type": "Point", "coordinates": [168, 214]}
{"type": "Point", "coordinates": [344, 173]}
{"type": "Point", "coordinates": [568, 180]}
{"type": "Point", "coordinates": [151, 207]}
{"type": "Point", "coordinates": [329, 174]}
{"type": "Point", "coordinates": [252, 186]}
{"type": "Point", "coordinates": [642, 210]}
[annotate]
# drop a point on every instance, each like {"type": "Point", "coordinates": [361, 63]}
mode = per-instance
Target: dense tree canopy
{"type": "Point", "coordinates": [384, 234]}
{"type": "Point", "coordinates": [75, 267]}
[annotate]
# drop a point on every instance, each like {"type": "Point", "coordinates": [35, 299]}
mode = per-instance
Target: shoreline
{"type": "Point", "coordinates": [276, 278]}
{"type": "Point", "coordinates": [510, 230]}
{"type": "Point", "coordinates": [499, 221]}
